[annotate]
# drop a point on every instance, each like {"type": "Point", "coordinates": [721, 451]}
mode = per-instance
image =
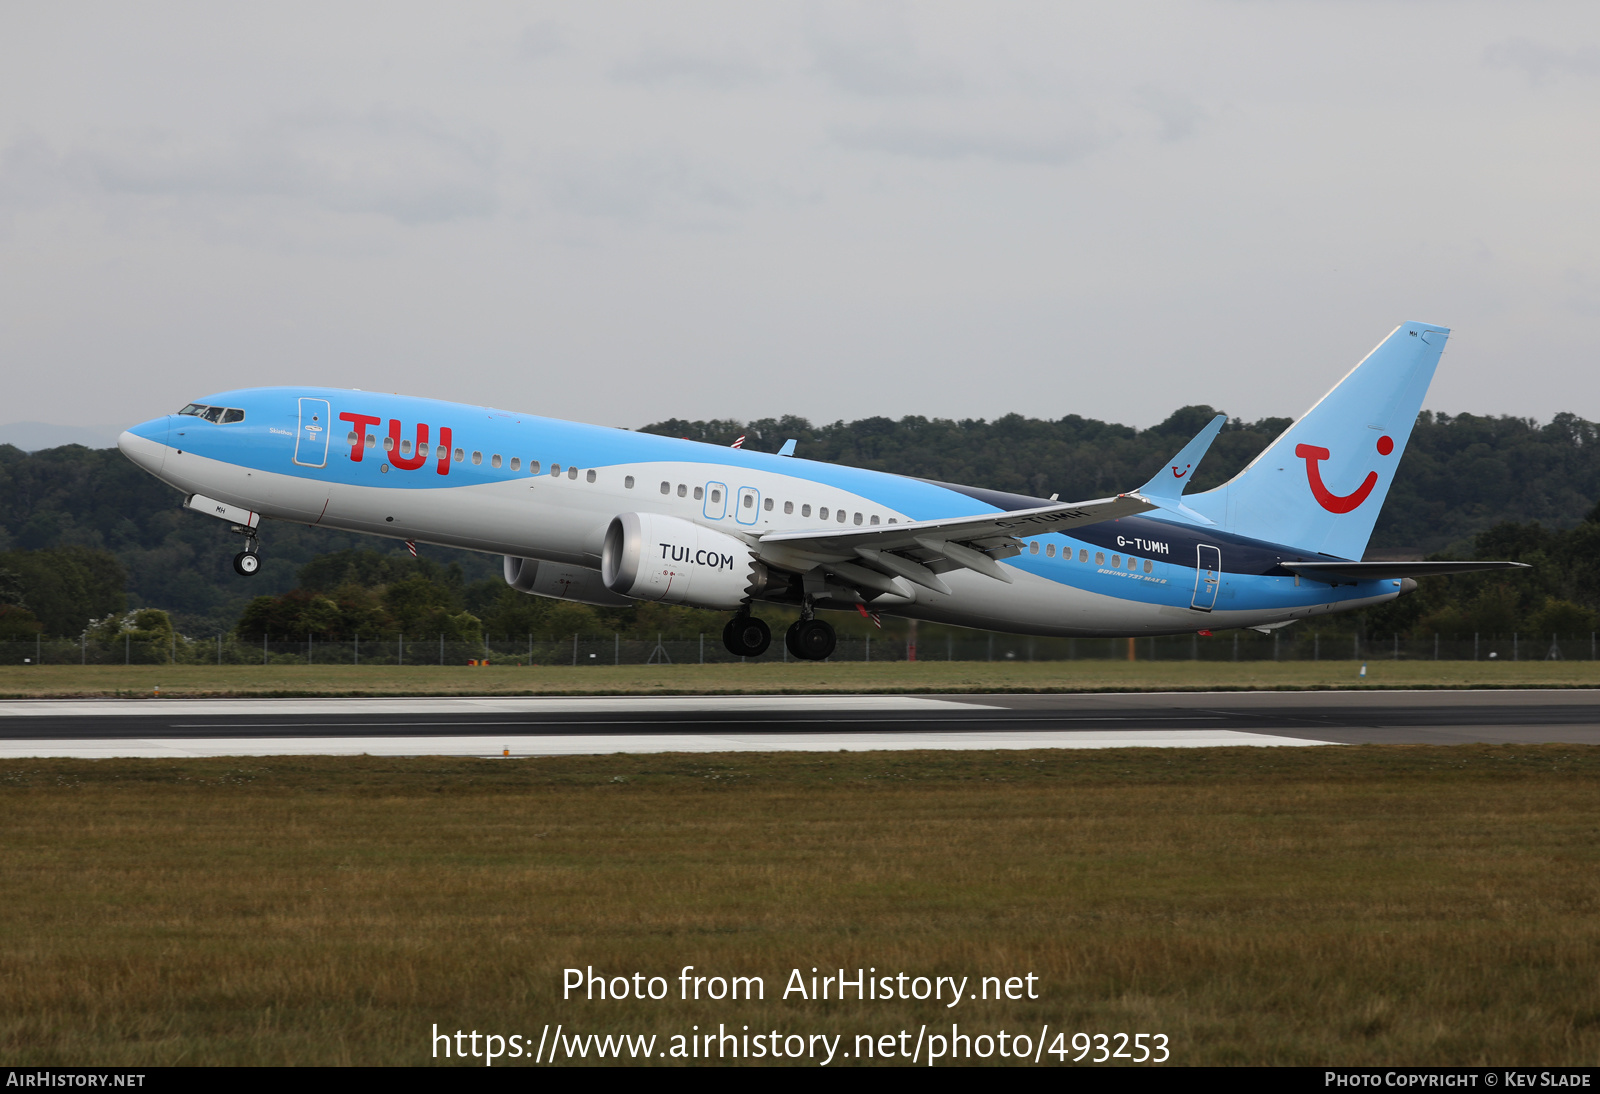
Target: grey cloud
{"type": "Point", "coordinates": [1541, 63]}
{"type": "Point", "coordinates": [949, 144]}
{"type": "Point", "coordinates": [884, 64]}
{"type": "Point", "coordinates": [643, 187]}
{"type": "Point", "coordinates": [401, 166]}
{"type": "Point", "coordinates": [542, 39]}
{"type": "Point", "coordinates": [1177, 113]}
{"type": "Point", "coordinates": [658, 66]}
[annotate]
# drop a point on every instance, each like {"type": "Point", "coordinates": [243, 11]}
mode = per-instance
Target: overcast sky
{"type": "Point", "coordinates": [626, 212]}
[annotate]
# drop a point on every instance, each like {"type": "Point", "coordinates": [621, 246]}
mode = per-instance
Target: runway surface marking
{"type": "Point", "coordinates": [599, 744]}
{"type": "Point", "coordinates": [602, 704]}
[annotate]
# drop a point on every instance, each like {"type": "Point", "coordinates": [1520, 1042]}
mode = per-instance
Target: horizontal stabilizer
{"type": "Point", "coordinates": [1341, 572]}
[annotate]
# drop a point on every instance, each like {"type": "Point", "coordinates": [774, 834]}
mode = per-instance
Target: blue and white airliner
{"type": "Point", "coordinates": [607, 516]}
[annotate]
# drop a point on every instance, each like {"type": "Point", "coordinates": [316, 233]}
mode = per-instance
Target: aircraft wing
{"type": "Point", "coordinates": [919, 551]}
{"type": "Point", "coordinates": [1370, 571]}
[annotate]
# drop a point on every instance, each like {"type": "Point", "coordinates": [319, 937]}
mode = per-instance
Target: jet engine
{"type": "Point", "coordinates": [560, 582]}
{"type": "Point", "coordinates": [648, 556]}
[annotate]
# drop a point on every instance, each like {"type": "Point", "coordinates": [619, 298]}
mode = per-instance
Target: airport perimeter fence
{"type": "Point", "coordinates": [614, 649]}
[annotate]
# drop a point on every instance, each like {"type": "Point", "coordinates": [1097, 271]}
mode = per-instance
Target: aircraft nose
{"type": "Point", "coordinates": [146, 443]}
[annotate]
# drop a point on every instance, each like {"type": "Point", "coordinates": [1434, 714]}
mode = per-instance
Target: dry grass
{"type": "Point", "coordinates": [58, 681]}
{"type": "Point", "coordinates": [1364, 905]}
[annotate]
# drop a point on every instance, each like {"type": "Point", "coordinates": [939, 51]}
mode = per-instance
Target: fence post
{"type": "Point", "coordinates": [703, 647]}
{"type": "Point", "coordinates": [173, 658]}
{"type": "Point", "coordinates": [867, 654]}
{"type": "Point", "coordinates": [949, 647]}
{"type": "Point", "coordinates": [1474, 645]}
{"type": "Point", "coordinates": [991, 647]}
{"type": "Point", "coordinates": [1513, 645]}
{"type": "Point", "coordinates": [357, 647]}
{"type": "Point", "coordinates": [574, 650]}
{"type": "Point", "coordinates": [1355, 646]}
{"type": "Point", "coordinates": [441, 649]}
{"type": "Point", "coordinates": [1316, 645]}
{"type": "Point", "coordinates": [1194, 646]}
{"type": "Point", "coordinates": [126, 655]}
{"type": "Point", "coordinates": [616, 648]}
{"type": "Point", "coordinates": [263, 647]}
{"type": "Point", "coordinates": [1436, 645]}
{"type": "Point", "coordinates": [1274, 645]}
{"type": "Point", "coordinates": [219, 649]}
{"type": "Point", "coordinates": [1396, 656]}
{"type": "Point", "coordinates": [85, 642]}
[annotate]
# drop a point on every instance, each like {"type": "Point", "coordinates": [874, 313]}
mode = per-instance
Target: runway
{"type": "Point", "coordinates": [495, 726]}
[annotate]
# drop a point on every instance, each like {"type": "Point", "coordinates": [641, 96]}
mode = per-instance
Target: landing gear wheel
{"type": "Point", "coordinates": [746, 636]}
{"type": "Point", "coordinates": [246, 564]}
{"type": "Point", "coordinates": [810, 639]}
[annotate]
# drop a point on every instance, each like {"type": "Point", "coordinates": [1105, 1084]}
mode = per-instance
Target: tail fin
{"type": "Point", "coordinates": [1320, 485]}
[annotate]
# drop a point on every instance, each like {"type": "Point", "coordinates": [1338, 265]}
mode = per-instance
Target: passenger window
{"type": "Point", "coordinates": [1116, 562]}
{"type": "Point", "coordinates": [422, 450]}
{"type": "Point", "coordinates": [805, 510]}
{"type": "Point", "coordinates": [572, 472]}
{"type": "Point", "coordinates": [627, 483]}
{"type": "Point", "coordinates": [1050, 550]}
{"type": "Point", "coordinates": [1083, 554]}
{"type": "Point", "coordinates": [350, 438]}
{"type": "Point", "coordinates": [371, 440]}
{"type": "Point", "coordinates": [683, 491]}
{"type": "Point", "coordinates": [494, 461]}
{"type": "Point", "coordinates": [460, 455]}
{"type": "Point", "coordinates": [874, 518]}
{"type": "Point", "coordinates": [699, 493]}
{"type": "Point", "coordinates": [858, 518]}
{"type": "Point", "coordinates": [516, 463]}
{"type": "Point", "coordinates": [405, 448]}
{"type": "Point", "coordinates": [477, 458]}
{"type": "Point", "coordinates": [555, 471]}
{"type": "Point", "coordinates": [893, 521]}
{"type": "Point", "coordinates": [232, 416]}
{"type": "Point", "coordinates": [1148, 565]}
{"type": "Point", "coordinates": [1099, 558]}
{"type": "Point", "coordinates": [1033, 547]}
{"type": "Point", "coordinates": [533, 467]}
{"type": "Point", "coordinates": [822, 513]}
{"type": "Point", "coordinates": [768, 505]}
{"type": "Point", "coordinates": [749, 501]}
{"type": "Point", "coordinates": [388, 444]}
{"type": "Point", "coordinates": [788, 508]}
{"type": "Point", "coordinates": [1133, 563]}
{"type": "Point", "coordinates": [666, 488]}
{"type": "Point", "coordinates": [589, 475]}
{"type": "Point", "coordinates": [716, 496]}
{"type": "Point", "coordinates": [839, 515]}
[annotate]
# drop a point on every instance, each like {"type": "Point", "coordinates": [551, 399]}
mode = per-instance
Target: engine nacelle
{"type": "Point", "coordinates": [560, 582]}
{"type": "Point", "coordinates": [648, 556]}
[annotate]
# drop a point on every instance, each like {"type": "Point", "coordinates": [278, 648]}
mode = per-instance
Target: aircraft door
{"type": "Point", "coordinates": [749, 507]}
{"type": "Point", "coordinates": [716, 501]}
{"type": "Point", "coordinates": [1207, 577]}
{"type": "Point", "coordinates": [311, 440]}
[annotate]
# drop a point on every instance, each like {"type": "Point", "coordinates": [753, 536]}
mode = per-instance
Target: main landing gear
{"type": "Point", "coordinates": [810, 639]}
{"type": "Point", "coordinates": [247, 563]}
{"type": "Point", "coordinates": [746, 636]}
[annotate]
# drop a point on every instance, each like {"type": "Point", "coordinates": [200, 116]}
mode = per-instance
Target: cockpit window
{"type": "Point", "coordinates": [222, 414]}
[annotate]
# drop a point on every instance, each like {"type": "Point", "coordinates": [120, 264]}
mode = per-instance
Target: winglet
{"type": "Point", "coordinates": [1171, 479]}
{"type": "Point", "coordinates": [787, 449]}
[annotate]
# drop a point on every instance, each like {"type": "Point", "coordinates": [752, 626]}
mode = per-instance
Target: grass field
{"type": "Point", "coordinates": [1359, 905]}
{"type": "Point", "coordinates": [46, 681]}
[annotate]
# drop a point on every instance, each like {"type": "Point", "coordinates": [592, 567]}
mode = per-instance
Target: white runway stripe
{"type": "Point", "coordinates": [576, 745]}
{"type": "Point", "coordinates": [602, 704]}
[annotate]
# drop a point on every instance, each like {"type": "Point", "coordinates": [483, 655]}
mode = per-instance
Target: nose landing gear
{"type": "Point", "coordinates": [247, 563]}
{"type": "Point", "coordinates": [746, 636]}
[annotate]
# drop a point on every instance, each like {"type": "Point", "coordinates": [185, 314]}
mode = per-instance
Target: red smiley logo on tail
{"type": "Point", "coordinates": [1326, 498]}
{"type": "Point", "coordinates": [1180, 474]}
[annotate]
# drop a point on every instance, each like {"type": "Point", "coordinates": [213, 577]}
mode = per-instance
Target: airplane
{"type": "Point", "coordinates": [608, 516]}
